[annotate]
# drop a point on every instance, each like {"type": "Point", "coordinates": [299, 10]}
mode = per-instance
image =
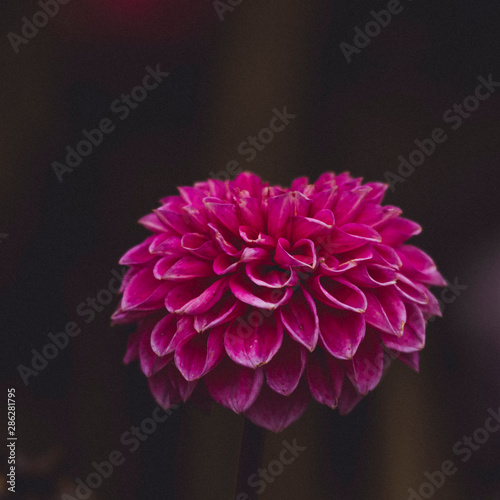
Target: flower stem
{"type": "Point", "coordinates": [250, 457]}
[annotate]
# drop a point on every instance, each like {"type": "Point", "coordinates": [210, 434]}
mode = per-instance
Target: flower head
{"type": "Point", "coordinates": [262, 296]}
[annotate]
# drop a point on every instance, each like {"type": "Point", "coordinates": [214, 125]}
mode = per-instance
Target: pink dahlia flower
{"type": "Point", "coordinates": [262, 296]}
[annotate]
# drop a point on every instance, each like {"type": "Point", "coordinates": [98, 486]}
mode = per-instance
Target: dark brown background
{"type": "Point", "coordinates": [226, 77]}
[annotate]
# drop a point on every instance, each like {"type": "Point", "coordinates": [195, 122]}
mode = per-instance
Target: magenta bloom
{"type": "Point", "coordinates": [261, 296]}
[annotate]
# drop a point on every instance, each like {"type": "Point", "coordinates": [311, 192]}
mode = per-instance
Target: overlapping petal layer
{"type": "Point", "coordinates": [268, 295]}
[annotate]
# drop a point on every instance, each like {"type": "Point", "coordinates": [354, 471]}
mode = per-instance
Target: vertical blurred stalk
{"type": "Point", "coordinates": [265, 60]}
{"type": "Point", "coordinates": [409, 435]}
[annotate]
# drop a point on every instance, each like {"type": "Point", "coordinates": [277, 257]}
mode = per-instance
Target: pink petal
{"type": "Point", "coordinates": [338, 292]}
{"type": "Point", "coordinates": [299, 183]}
{"type": "Point", "coordinates": [419, 265]}
{"type": "Point", "coordinates": [410, 290]}
{"type": "Point", "coordinates": [276, 412]}
{"type": "Point", "coordinates": [377, 193]}
{"type": "Point", "coordinates": [334, 266]}
{"type": "Point", "coordinates": [413, 338]}
{"type": "Point", "coordinates": [432, 307]}
{"type": "Point", "coordinates": [325, 179]}
{"type": "Point", "coordinates": [133, 347]}
{"type": "Point", "coordinates": [300, 318]}
{"type": "Point", "coordinates": [418, 259]}
{"type": "Point", "coordinates": [357, 255]}
{"type": "Point", "coordinates": [188, 268]}
{"type": "Point", "coordinates": [163, 265]}
{"type": "Point", "coordinates": [254, 340]}
{"type": "Point", "coordinates": [195, 297]}
{"type": "Point", "coordinates": [254, 237]}
{"type": "Point", "coordinates": [144, 292]}
{"type": "Point", "coordinates": [346, 182]}
{"type": "Point", "coordinates": [386, 311]}
{"type": "Point", "coordinates": [225, 264]}
{"type": "Point", "coordinates": [366, 367]}
{"type": "Point", "coordinates": [233, 386]}
{"type": "Point", "coordinates": [165, 393]}
{"type": "Point", "coordinates": [349, 397]}
{"type": "Point", "coordinates": [313, 227]}
{"type": "Point", "coordinates": [301, 204]}
{"type": "Point", "coordinates": [169, 387]}
{"type": "Point", "coordinates": [162, 335]}
{"type": "Point", "coordinates": [250, 182]}
{"type": "Point", "coordinates": [201, 353]}
{"type": "Point", "coordinates": [372, 275]}
{"type": "Point", "coordinates": [224, 311]}
{"type": "Point", "coordinates": [164, 244]}
{"type": "Point", "coordinates": [129, 275]}
{"type": "Point", "coordinates": [200, 245]}
{"type": "Point", "coordinates": [349, 204]}
{"type": "Point", "coordinates": [303, 253]}
{"type": "Point", "coordinates": [153, 223]}
{"type": "Point", "coordinates": [216, 188]}
{"type": "Point", "coordinates": [260, 297]}
{"type": "Point", "coordinates": [173, 220]}
{"type": "Point", "coordinates": [174, 203]}
{"type": "Point", "coordinates": [271, 192]}
{"type": "Point", "coordinates": [196, 219]}
{"type": "Point", "coordinates": [376, 216]}
{"type": "Point", "coordinates": [150, 362]}
{"type": "Point", "coordinates": [341, 331]}
{"type": "Point", "coordinates": [192, 195]}
{"type": "Point", "coordinates": [411, 359]}
{"type": "Point", "coordinates": [386, 256]}
{"type": "Point", "coordinates": [349, 237]}
{"type": "Point", "coordinates": [184, 333]}
{"type": "Point", "coordinates": [397, 231]}
{"type": "Point", "coordinates": [281, 209]}
{"type": "Point", "coordinates": [255, 254]}
{"type": "Point", "coordinates": [323, 200]}
{"type": "Point", "coordinates": [325, 376]}
{"type": "Point", "coordinates": [265, 275]}
{"type": "Point", "coordinates": [224, 213]}
{"type": "Point", "coordinates": [223, 241]}
{"type": "Point", "coordinates": [138, 254]}
{"type": "Point", "coordinates": [121, 317]}
{"type": "Point", "coordinates": [284, 371]}
{"type": "Point", "coordinates": [330, 266]}
{"type": "Point", "coordinates": [252, 212]}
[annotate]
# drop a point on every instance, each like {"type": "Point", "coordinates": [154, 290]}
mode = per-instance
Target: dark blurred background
{"type": "Point", "coordinates": [60, 241]}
